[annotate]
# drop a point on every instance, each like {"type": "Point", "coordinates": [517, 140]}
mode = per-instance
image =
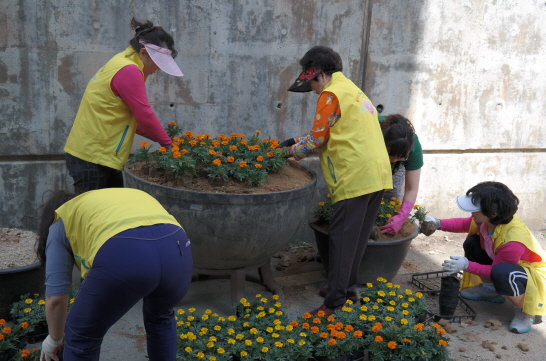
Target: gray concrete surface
{"type": "Point", "coordinates": [126, 339]}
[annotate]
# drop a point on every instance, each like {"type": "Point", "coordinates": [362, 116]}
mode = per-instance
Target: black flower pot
{"type": "Point", "coordinates": [449, 295]}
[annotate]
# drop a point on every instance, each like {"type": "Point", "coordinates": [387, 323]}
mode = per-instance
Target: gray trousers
{"type": "Point", "coordinates": [350, 228]}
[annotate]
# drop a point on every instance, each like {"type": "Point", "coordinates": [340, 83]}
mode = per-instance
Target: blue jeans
{"type": "Point", "coordinates": [153, 263]}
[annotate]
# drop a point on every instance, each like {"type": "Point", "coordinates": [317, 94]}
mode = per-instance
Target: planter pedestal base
{"type": "Point", "coordinates": [238, 277]}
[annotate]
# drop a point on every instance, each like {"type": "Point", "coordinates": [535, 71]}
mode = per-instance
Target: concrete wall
{"type": "Point", "coordinates": [470, 76]}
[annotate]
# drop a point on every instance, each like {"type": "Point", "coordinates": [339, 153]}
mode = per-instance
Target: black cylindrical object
{"type": "Point", "coordinates": [449, 295]}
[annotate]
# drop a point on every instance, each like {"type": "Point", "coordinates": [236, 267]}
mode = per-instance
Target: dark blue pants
{"type": "Point", "coordinates": [152, 263]}
{"type": "Point", "coordinates": [509, 279]}
{"type": "Point", "coordinates": [89, 176]}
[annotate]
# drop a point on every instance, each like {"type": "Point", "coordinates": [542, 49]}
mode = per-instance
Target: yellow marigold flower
{"type": "Point", "coordinates": [244, 353]}
{"type": "Point", "coordinates": [27, 310]}
{"type": "Point", "coordinates": [269, 329]}
{"type": "Point", "coordinates": [278, 344]}
{"type": "Point", "coordinates": [363, 308]}
{"type": "Point", "coordinates": [275, 297]}
{"type": "Point", "coordinates": [369, 285]}
{"type": "Point", "coordinates": [379, 300]}
{"type": "Point", "coordinates": [388, 318]}
{"type": "Point", "coordinates": [388, 215]}
{"type": "Point", "coordinates": [371, 318]}
{"type": "Point", "coordinates": [404, 321]}
{"type": "Point", "coordinates": [221, 351]}
{"type": "Point", "coordinates": [191, 318]}
{"type": "Point", "coordinates": [392, 303]}
{"type": "Point", "coordinates": [210, 344]}
{"type": "Point", "coordinates": [366, 299]}
{"type": "Point", "coordinates": [392, 203]}
{"type": "Point", "coordinates": [418, 295]}
{"type": "Point", "coordinates": [200, 355]}
{"type": "Point", "coordinates": [188, 349]}
{"type": "Point", "coordinates": [375, 307]}
{"type": "Point", "coordinates": [301, 343]}
{"type": "Point", "coordinates": [213, 339]}
{"type": "Point", "coordinates": [265, 349]}
{"type": "Point", "coordinates": [363, 317]}
{"type": "Point", "coordinates": [389, 285]}
{"type": "Point", "coordinates": [205, 317]}
{"type": "Point", "coordinates": [405, 312]}
{"type": "Point", "coordinates": [408, 292]}
{"type": "Point", "coordinates": [260, 339]}
{"type": "Point", "coordinates": [411, 299]}
{"type": "Point", "coordinates": [212, 358]}
{"type": "Point", "coordinates": [41, 302]}
{"type": "Point", "coordinates": [303, 334]}
{"type": "Point", "coordinates": [381, 293]}
{"type": "Point", "coordinates": [321, 204]}
{"type": "Point", "coordinates": [180, 311]}
{"type": "Point", "coordinates": [28, 301]}
{"type": "Point", "coordinates": [240, 336]}
{"type": "Point", "coordinates": [392, 293]}
{"type": "Point", "coordinates": [416, 206]}
{"type": "Point", "coordinates": [253, 331]}
{"type": "Point", "coordinates": [144, 144]}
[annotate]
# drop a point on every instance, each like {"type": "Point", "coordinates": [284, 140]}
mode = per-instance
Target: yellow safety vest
{"type": "Point", "coordinates": [517, 231]}
{"type": "Point", "coordinates": [354, 160]}
{"type": "Point", "coordinates": [104, 127]}
{"type": "Point", "coordinates": [93, 217]}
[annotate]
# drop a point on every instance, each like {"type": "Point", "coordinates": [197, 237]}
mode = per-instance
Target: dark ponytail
{"type": "Point", "coordinates": [398, 133]}
{"type": "Point", "coordinates": [56, 199]}
{"type": "Point", "coordinates": [152, 35]}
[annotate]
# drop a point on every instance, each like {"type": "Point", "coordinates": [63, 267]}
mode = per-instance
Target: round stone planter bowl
{"type": "Point", "coordinates": [381, 259]}
{"type": "Point", "coordinates": [18, 281]}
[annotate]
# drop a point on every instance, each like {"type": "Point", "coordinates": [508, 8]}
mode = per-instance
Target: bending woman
{"type": "Point", "coordinates": [404, 150]}
{"type": "Point", "coordinates": [127, 248]}
{"type": "Point", "coordinates": [115, 106]}
{"type": "Point", "coordinates": [502, 257]}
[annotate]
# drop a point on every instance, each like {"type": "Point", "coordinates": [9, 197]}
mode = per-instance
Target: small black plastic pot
{"type": "Point", "coordinates": [449, 295]}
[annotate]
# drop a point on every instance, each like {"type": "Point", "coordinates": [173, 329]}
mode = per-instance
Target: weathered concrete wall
{"type": "Point", "coordinates": [238, 59]}
{"type": "Point", "coordinates": [470, 76]}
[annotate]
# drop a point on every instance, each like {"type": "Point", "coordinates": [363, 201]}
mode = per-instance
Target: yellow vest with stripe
{"type": "Point", "coordinates": [517, 231]}
{"type": "Point", "coordinates": [95, 216]}
{"type": "Point", "coordinates": [354, 160]}
{"type": "Point", "coordinates": [104, 127]}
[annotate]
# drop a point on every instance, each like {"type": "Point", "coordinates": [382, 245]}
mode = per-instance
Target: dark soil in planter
{"type": "Point", "coordinates": [287, 178]}
{"type": "Point", "coordinates": [449, 295]}
{"type": "Point", "coordinates": [406, 230]}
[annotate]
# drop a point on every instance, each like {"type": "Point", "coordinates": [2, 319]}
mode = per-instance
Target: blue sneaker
{"type": "Point", "coordinates": [481, 293]}
{"type": "Point", "coordinates": [522, 322]}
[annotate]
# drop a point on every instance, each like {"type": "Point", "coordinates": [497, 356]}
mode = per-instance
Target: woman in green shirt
{"type": "Point", "coordinates": [404, 150]}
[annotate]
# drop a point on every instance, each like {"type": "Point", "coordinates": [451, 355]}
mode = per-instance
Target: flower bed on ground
{"type": "Point", "coordinates": [385, 324]}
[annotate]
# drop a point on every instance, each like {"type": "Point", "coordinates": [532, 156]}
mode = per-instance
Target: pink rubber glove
{"type": "Point", "coordinates": [395, 223]}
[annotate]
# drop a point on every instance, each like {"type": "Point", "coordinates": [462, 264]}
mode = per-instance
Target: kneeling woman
{"type": "Point", "coordinates": [502, 251]}
{"type": "Point", "coordinates": [127, 248]}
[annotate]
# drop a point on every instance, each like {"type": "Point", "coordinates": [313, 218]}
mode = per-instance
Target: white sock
{"type": "Point", "coordinates": [489, 286]}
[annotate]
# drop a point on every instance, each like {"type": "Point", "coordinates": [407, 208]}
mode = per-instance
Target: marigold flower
{"type": "Point", "coordinates": [200, 355]}
{"type": "Point", "coordinates": [28, 301]}
{"type": "Point", "coordinates": [265, 141]}
{"type": "Point", "coordinates": [25, 353]}
{"type": "Point", "coordinates": [243, 142]}
{"type": "Point", "coordinates": [242, 164]}
{"type": "Point", "coordinates": [24, 325]}
{"type": "Point", "coordinates": [265, 349]}
{"type": "Point", "coordinates": [144, 143]}
{"type": "Point", "coordinates": [442, 343]}
{"type": "Point", "coordinates": [243, 353]}
{"type": "Point", "coordinates": [193, 143]}
{"type": "Point", "coordinates": [391, 345]}
{"type": "Point", "coordinates": [2, 322]}
{"type": "Point", "coordinates": [270, 154]}
{"type": "Point", "coordinates": [388, 318]}
{"type": "Point", "coordinates": [212, 152]}
{"type": "Point", "coordinates": [330, 318]}
{"type": "Point", "coordinates": [188, 349]}
{"type": "Point", "coordinates": [162, 150]}
{"type": "Point", "coordinates": [260, 339]}
{"type": "Point", "coordinates": [257, 165]}
{"type": "Point", "coordinates": [418, 295]}
{"type": "Point", "coordinates": [217, 162]}
{"type": "Point", "coordinates": [1, 337]}
{"type": "Point", "coordinates": [406, 340]}
{"type": "Point", "coordinates": [259, 158]}
{"type": "Point", "coordinates": [377, 327]}
{"type": "Point", "coordinates": [324, 335]}
{"type": "Point", "coordinates": [71, 300]}
{"type": "Point", "coordinates": [348, 328]}
{"type": "Point", "coordinates": [357, 334]}
{"type": "Point", "coordinates": [378, 339]}
{"type": "Point", "coordinates": [221, 351]}
{"type": "Point", "coordinates": [419, 327]}
{"type": "Point", "coordinates": [278, 344]}
{"type": "Point", "coordinates": [408, 292]}
{"type": "Point", "coordinates": [404, 321]}
{"type": "Point", "coordinates": [6, 330]}
{"type": "Point", "coordinates": [315, 329]}
{"type": "Point", "coordinates": [441, 331]}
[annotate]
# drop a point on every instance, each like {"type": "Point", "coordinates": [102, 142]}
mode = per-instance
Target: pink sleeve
{"type": "Point", "coordinates": [510, 252]}
{"type": "Point", "coordinates": [128, 84]}
{"type": "Point", "coordinates": [456, 225]}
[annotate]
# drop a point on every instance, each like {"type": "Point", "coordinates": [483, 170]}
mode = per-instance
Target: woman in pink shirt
{"type": "Point", "coordinates": [501, 250]}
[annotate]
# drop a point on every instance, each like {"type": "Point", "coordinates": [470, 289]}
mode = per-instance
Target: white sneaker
{"type": "Point", "coordinates": [481, 293]}
{"type": "Point", "coordinates": [521, 323]}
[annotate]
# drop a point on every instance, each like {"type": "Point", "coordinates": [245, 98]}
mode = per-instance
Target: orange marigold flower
{"type": "Point", "coordinates": [242, 164]}
{"type": "Point", "coordinates": [377, 327]}
{"type": "Point", "coordinates": [162, 150]}
{"type": "Point", "coordinates": [315, 329]}
{"type": "Point", "coordinates": [441, 331]}
{"type": "Point", "coordinates": [233, 147]}
{"type": "Point", "coordinates": [419, 327]}
{"type": "Point", "coordinates": [270, 154]}
{"type": "Point", "coordinates": [1, 337]}
{"type": "Point", "coordinates": [35, 349]}
{"type": "Point", "coordinates": [244, 142]}
{"type": "Point", "coordinates": [258, 132]}
{"type": "Point", "coordinates": [391, 345]}
{"type": "Point", "coordinates": [330, 318]}
{"type": "Point", "coordinates": [257, 165]}
{"type": "Point", "coordinates": [324, 335]}
{"type": "Point", "coordinates": [265, 141]}
{"type": "Point", "coordinates": [349, 328]}
{"type": "Point", "coordinates": [24, 325]}
{"type": "Point", "coordinates": [230, 159]}
{"type": "Point", "coordinates": [305, 326]}
{"type": "Point", "coordinates": [259, 158]}
{"type": "Point", "coordinates": [406, 340]}
{"type": "Point", "coordinates": [202, 143]}
{"type": "Point", "coordinates": [25, 353]}
{"type": "Point", "coordinates": [144, 143]}
{"type": "Point", "coordinates": [307, 315]}
{"type": "Point", "coordinates": [212, 152]}
{"type": "Point", "coordinates": [339, 326]}
{"type": "Point", "coordinates": [217, 162]}
{"type": "Point", "coordinates": [294, 323]}
{"type": "Point", "coordinates": [357, 334]}
{"type": "Point", "coordinates": [175, 148]}
{"type": "Point", "coordinates": [442, 343]}
{"type": "Point", "coordinates": [215, 143]}
{"type": "Point", "coordinates": [331, 327]}
{"type": "Point", "coordinates": [177, 154]}
{"type": "Point", "coordinates": [341, 335]}
{"type": "Point", "coordinates": [6, 330]}
{"type": "Point", "coordinates": [316, 319]}
{"type": "Point", "coordinates": [378, 339]}
{"type": "Point", "coordinates": [193, 143]}
{"type": "Point", "coordinates": [173, 123]}
{"type": "Point", "coordinates": [332, 342]}
{"type": "Point", "coordinates": [2, 322]}
{"type": "Point", "coordinates": [184, 151]}
{"type": "Point", "coordinates": [225, 142]}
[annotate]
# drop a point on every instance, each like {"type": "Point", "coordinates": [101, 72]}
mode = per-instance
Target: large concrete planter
{"type": "Point", "coordinates": [381, 259]}
{"type": "Point", "coordinates": [18, 281]}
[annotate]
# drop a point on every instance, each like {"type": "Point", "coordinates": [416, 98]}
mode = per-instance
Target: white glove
{"type": "Point", "coordinates": [455, 264]}
{"type": "Point", "coordinates": [435, 221]}
{"type": "Point", "coordinates": [50, 347]}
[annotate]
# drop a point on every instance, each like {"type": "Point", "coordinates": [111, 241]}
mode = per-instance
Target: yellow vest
{"type": "Point", "coordinates": [517, 231]}
{"type": "Point", "coordinates": [95, 216]}
{"type": "Point", "coordinates": [104, 127]}
{"type": "Point", "coordinates": [354, 160]}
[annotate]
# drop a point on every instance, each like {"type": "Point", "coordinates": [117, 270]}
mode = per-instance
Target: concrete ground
{"type": "Point", "coordinates": [301, 281]}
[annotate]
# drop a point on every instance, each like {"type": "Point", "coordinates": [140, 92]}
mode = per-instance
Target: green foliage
{"type": "Point", "coordinates": [244, 159]}
{"type": "Point", "coordinates": [323, 213]}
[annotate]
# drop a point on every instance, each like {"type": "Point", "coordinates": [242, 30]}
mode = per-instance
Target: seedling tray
{"type": "Point", "coordinates": [429, 282]}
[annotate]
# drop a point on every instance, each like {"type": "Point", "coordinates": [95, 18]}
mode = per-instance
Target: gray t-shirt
{"type": "Point", "coordinates": [59, 261]}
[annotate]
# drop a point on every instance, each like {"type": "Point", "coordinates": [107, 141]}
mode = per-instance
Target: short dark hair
{"type": "Point", "coordinates": [152, 35]}
{"type": "Point", "coordinates": [398, 134]}
{"type": "Point", "coordinates": [56, 199]}
{"type": "Point", "coordinates": [496, 200]}
{"type": "Point", "coordinates": [322, 57]}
